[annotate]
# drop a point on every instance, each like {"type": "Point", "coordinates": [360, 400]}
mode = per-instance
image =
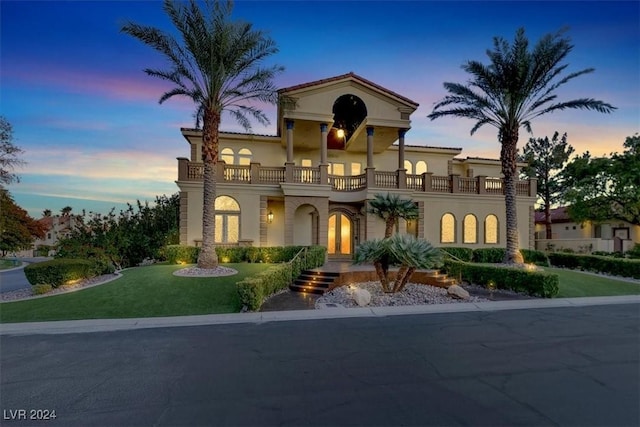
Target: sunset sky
{"type": "Point", "coordinates": [95, 136]}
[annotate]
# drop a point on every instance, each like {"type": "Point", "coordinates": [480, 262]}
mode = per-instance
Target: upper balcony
{"type": "Point", "coordinates": [426, 182]}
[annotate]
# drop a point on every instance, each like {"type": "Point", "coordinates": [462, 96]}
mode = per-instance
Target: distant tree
{"type": "Point", "coordinates": [218, 64]}
{"type": "Point", "coordinates": [545, 159]}
{"type": "Point", "coordinates": [604, 188]}
{"type": "Point", "coordinates": [66, 211]}
{"type": "Point", "coordinates": [17, 228]}
{"type": "Point", "coordinates": [519, 85]}
{"type": "Point", "coordinates": [127, 238]}
{"type": "Point", "coordinates": [46, 213]}
{"type": "Point", "coordinates": [9, 153]}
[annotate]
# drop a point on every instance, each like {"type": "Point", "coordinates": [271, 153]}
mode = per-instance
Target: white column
{"type": "Point", "coordinates": [401, 133]}
{"type": "Point", "coordinates": [323, 143]}
{"type": "Point", "coordinates": [370, 146]}
{"type": "Point", "coordinates": [289, 140]}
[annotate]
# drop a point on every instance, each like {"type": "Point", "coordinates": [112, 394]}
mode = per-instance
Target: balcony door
{"type": "Point", "coordinates": [340, 243]}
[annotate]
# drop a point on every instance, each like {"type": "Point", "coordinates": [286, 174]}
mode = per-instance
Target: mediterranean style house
{"type": "Point", "coordinates": [607, 236]}
{"type": "Point", "coordinates": [339, 142]}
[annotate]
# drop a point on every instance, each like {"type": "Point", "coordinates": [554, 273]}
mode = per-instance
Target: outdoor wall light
{"type": "Point", "coordinates": [340, 133]}
{"type": "Point", "coordinates": [270, 217]}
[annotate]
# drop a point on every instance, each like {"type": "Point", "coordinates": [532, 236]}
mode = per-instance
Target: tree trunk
{"type": "Point", "coordinates": [388, 229]}
{"type": "Point", "coordinates": [405, 278]}
{"type": "Point", "coordinates": [382, 275]}
{"type": "Point", "coordinates": [208, 258]}
{"type": "Point", "coordinates": [547, 220]}
{"type": "Point", "coordinates": [509, 157]}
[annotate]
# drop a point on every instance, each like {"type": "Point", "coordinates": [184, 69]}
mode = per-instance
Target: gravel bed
{"type": "Point", "coordinates": [205, 272]}
{"type": "Point", "coordinates": [412, 294]}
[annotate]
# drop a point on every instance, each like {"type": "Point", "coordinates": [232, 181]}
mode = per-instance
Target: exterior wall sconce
{"type": "Point", "coordinates": [270, 217]}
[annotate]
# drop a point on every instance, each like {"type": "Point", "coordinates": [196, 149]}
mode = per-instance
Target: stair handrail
{"type": "Point", "coordinates": [291, 261]}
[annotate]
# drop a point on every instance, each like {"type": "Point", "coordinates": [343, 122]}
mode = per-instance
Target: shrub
{"type": "Point", "coordinates": [634, 253]}
{"type": "Point", "coordinates": [489, 255]}
{"type": "Point", "coordinates": [599, 264]}
{"type": "Point", "coordinates": [462, 254]}
{"type": "Point", "coordinates": [535, 257]}
{"type": "Point", "coordinates": [181, 254]}
{"type": "Point", "coordinates": [531, 282]}
{"type": "Point", "coordinates": [255, 289]}
{"type": "Point", "coordinates": [58, 272]}
{"type": "Point", "coordinates": [41, 289]}
{"type": "Point", "coordinates": [70, 249]}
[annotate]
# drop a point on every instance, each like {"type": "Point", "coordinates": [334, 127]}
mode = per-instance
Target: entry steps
{"type": "Point", "coordinates": [314, 282]}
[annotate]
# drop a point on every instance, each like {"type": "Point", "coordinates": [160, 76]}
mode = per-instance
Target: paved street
{"type": "Point", "coordinates": [552, 366]}
{"type": "Point", "coordinates": [14, 279]}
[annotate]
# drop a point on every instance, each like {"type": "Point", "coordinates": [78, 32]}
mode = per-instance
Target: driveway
{"type": "Point", "coordinates": [549, 366]}
{"type": "Point", "coordinates": [14, 279]}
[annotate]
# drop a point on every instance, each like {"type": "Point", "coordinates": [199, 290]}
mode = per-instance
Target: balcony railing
{"type": "Point", "coordinates": [427, 182]}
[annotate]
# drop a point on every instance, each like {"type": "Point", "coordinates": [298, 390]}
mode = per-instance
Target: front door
{"type": "Point", "coordinates": [340, 243]}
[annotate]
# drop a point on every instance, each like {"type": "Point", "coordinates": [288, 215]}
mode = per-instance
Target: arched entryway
{"type": "Point", "coordinates": [341, 233]}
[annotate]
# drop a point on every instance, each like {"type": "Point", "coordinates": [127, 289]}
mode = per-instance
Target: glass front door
{"type": "Point", "coordinates": [340, 234]}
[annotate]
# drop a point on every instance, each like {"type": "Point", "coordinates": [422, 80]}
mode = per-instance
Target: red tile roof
{"type": "Point", "coordinates": [350, 75]}
{"type": "Point", "coordinates": [557, 215]}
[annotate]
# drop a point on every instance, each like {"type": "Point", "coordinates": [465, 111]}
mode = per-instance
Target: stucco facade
{"type": "Point", "coordinates": [339, 142]}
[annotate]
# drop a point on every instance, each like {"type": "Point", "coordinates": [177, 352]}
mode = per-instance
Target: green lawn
{"type": "Point", "coordinates": [578, 284]}
{"type": "Point", "coordinates": [141, 292]}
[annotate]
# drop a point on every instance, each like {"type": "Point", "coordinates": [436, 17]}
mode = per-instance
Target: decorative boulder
{"type": "Point", "coordinates": [457, 292]}
{"type": "Point", "coordinates": [362, 297]}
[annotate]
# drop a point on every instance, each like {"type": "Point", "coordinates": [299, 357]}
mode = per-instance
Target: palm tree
{"type": "Point", "coordinates": [46, 213]}
{"type": "Point", "coordinates": [390, 208]}
{"type": "Point", "coordinates": [217, 63]}
{"type": "Point", "coordinates": [403, 250]}
{"type": "Point", "coordinates": [66, 211]}
{"type": "Point", "coordinates": [518, 86]}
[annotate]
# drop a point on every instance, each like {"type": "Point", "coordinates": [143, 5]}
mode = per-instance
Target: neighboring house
{"type": "Point", "coordinates": [608, 236]}
{"type": "Point", "coordinates": [57, 227]}
{"type": "Point", "coordinates": [344, 141]}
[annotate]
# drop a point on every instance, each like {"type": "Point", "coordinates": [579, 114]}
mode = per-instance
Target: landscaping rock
{"type": "Point", "coordinates": [458, 292]}
{"type": "Point", "coordinates": [362, 297]}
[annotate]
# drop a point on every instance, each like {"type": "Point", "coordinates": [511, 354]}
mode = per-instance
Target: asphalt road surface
{"type": "Point", "coordinates": [14, 279]}
{"type": "Point", "coordinates": [536, 367]}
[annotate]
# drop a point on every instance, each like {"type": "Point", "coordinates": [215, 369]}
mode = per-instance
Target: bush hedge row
{"type": "Point", "coordinates": [531, 282]}
{"type": "Point", "coordinates": [494, 255]}
{"type": "Point", "coordinates": [255, 289]}
{"type": "Point", "coordinates": [58, 272]}
{"type": "Point", "coordinates": [182, 254]}
{"type": "Point", "coordinates": [599, 264]}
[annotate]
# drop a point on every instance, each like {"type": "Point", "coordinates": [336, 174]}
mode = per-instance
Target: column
{"type": "Point", "coordinates": [401, 133]}
{"type": "Point", "coordinates": [324, 166]}
{"type": "Point", "coordinates": [323, 143]}
{"type": "Point", "coordinates": [370, 147]}
{"type": "Point", "coordinates": [289, 140]}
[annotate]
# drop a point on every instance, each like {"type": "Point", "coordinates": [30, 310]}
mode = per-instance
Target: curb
{"type": "Point", "coordinates": [110, 325]}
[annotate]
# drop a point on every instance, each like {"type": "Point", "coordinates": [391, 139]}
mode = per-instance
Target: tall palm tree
{"type": "Point", "coordinates": [217, 63]}
{"type": "Point", "coordinates": [390, 208]}
{"type": "Point", "coordinates": [517, 86]}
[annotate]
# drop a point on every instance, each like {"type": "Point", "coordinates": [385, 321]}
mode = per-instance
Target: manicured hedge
{"type": "Point", "coordinates": [496, 256]}
{"type": "Point", "coordinates": [516, 279]}
{"type": "Point", "coordinates": [58, 272]}
{"type": "Point", "coordinates": [254, 290]}
{"type": "Point", "coordinates": [599, 264]}
{"type": "Point", "coordinates": [462, 254]}
{"type": "Point", "coordinates": [179, 254]}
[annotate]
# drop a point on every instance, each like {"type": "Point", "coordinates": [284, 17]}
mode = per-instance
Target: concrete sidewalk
{"type": "Point", "coordinates": [103, 325]}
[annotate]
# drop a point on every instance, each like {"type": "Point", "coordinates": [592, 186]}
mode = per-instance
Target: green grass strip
{"type": "Point", "coordinates": [578, 284]}
{"type": "Point", "coordinates": [142, 292]}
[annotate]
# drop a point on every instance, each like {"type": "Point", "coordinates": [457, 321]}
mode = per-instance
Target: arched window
{"type": "Point", "coordinates": [448, 228]}
{"type": "Point", "coordinates": [491, 229]}
{"type": "Point", "coordinates": [226, 155]}
{"type": "Point", "coordinates": [470, 229]}
{"type": "Point", "coordinates": [244, 156]}
{"type": "Point", "coordinates": [408, 166]}
{"type": "Point", "coordinates": [227, 220]}
{"type": "Point", "coordinates": [421, 167]}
